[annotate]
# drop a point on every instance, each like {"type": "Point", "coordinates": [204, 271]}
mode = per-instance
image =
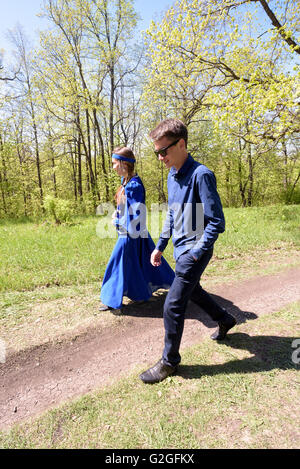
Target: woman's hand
{"type": "Point", "coordinates": [114, 217]}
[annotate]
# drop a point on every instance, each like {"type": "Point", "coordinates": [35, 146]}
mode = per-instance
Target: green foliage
{"type": "Point", "coordinates": [209, 62]}
{"type": "Point", "coordinates": [217, 65]}
{"type": "Point", "coordinates": [59, 209]}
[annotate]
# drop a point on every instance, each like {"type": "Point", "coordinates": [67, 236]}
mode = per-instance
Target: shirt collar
{"type": "Point", "coordinates": [184, 168]}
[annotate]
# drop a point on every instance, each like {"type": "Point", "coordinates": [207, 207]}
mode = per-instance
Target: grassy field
{"type": "Point", "coordinates": [42, 254]}
{"type": "Point", "coordinates": [50, 276]}
{"type": "Point", "coordinates": [240, 394]}
{"type": "Point", "coordinates": [243, 393]}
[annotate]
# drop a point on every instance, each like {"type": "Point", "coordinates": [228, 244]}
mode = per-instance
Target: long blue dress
{"type": "Point", "coordinates": [129, 271]}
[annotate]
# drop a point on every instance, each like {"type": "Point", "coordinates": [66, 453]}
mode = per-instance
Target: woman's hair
{"type": "Point", "coordinates": [124, 151]}
{"type": "Point", "coordinates": [171, 128]}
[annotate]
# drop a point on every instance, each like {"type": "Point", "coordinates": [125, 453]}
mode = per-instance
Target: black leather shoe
{"type": "Point", "coordinates": [157, 373]}
{"type": "Point", "coordinates": [224, 327]}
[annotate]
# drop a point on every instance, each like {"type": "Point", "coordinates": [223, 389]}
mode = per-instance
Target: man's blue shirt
{"type": "Point", "coordinates": [195, 216]}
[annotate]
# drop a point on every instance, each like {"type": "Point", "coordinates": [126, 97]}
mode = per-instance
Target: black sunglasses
{"type": "Point", "coordinates": [163, 151]}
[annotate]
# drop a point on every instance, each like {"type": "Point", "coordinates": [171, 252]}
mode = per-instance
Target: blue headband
{"type": "Point", "coordinates": [123, 158]}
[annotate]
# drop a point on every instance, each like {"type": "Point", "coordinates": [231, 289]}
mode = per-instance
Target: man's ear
{"type": "Point", "coordinates": [182, 144]}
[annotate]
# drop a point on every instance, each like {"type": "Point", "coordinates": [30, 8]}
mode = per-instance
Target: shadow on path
{"type": "Point", "coordinates": [154, 309]}
{"type": "Point", "coordinates": [269, 353]}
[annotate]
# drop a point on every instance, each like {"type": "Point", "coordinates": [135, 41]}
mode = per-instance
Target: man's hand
{"type": "Point", "coordinates": [156, 258]}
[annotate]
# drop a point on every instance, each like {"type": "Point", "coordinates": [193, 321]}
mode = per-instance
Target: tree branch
{"type": "Point", "coordinates": [278, 26]}
{"type": "Point", "coordinates": [9, 78]}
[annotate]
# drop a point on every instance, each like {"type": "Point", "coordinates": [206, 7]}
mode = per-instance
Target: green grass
{"type": "Point", "coordinates": [35, 255]}
{"type": "Point", "coordinates": [253, 228]}
{"type": "Point", "coordinates": [242, 393]}
{"type": "Point", "coordinates": [51, 275]}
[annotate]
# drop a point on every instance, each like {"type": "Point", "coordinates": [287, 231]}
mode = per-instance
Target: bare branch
{"type": "Point", "coordinates": [278, 26]}
{"type": "Point", "coordinates": [9, 78]}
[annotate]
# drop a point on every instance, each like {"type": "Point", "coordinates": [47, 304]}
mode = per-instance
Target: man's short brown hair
{"type": "Point", "coordinates": [171, 128]}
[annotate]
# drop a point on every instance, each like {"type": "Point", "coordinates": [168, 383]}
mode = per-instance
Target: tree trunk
{"type": "Point", "coordinates": [250, 177]}
{"type": "Point", "coordinates": [111, 109]}
{"type": "Point", "coordinates": [89, 160]}
{"type": "Point", "coordinates": [242, 186]}
{"type": "Point", "coordinates": [74, 167]}
{"type": "Point", "coordinates": [3, 194]}
{"type": "Point", "coordinates": [52, 158]}
{"type": "Point", "coordinates": [37, 152]}
{"type": "Point", "coordinates": [23, 179]}
{"type": "Point", "coordinates": [103, 166]}
{"type": "Point", "coordinates": [78, 144]}
{"type": "Point", "coordinates": [162, 195]}
{"type": "Point", "coordinates": [3, 178]}
{"type": "Point", "coordinates": [285, 162]}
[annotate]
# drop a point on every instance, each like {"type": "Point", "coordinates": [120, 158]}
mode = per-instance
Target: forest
{"type": "Point", "coordinates": [229, 69]}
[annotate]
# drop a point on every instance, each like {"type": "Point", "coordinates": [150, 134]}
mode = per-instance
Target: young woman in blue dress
{"type": "Point", "coordinates": [129, 271]}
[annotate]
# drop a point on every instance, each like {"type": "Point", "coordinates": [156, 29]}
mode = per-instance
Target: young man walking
{"type": "Point", "coordinates": [194, 220]}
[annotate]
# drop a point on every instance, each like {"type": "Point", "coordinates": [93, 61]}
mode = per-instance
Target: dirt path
{"type": "Point", "coordinates": [43, 377]}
